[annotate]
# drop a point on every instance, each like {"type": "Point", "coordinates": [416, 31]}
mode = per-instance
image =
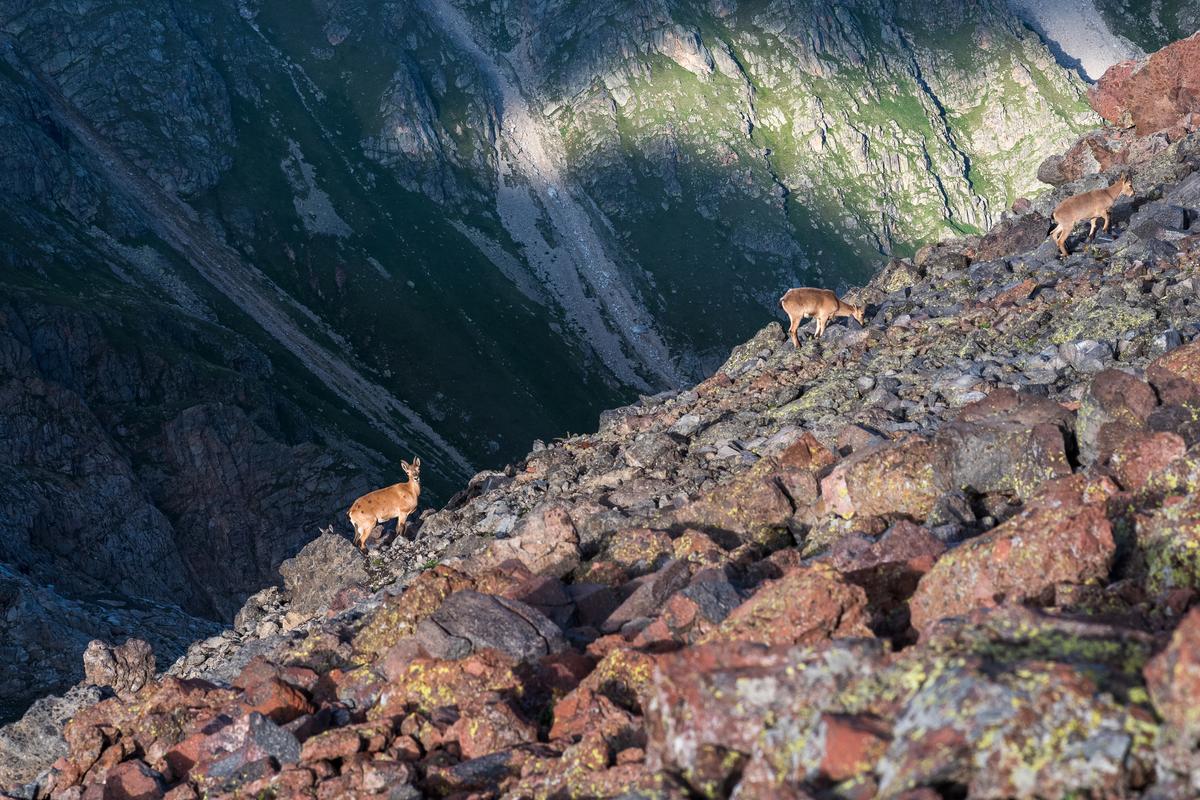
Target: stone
{"type": "Point", "coordinates": [648, 598]}
{"type": "Point", "coordinates": [1168, 543]}
{"type": "Point", "coordinates": [124, 669]}
{"type": "Point", "coordinates": [1008, 442]}
{"type": "Point", "coordinates": [1112, 397]}
{"type": "Point", "coordinates": [31, 744]}
{"type": "Point", "coordinates": [851, 745]}
{"type": "Point", "coordinates": [467, 622]}
{"type": "Point", "coordinates": [545, 541]}
{"type": "Point", "coordinates": [133, 780]}
{"type": "Point", "coordinates": [640, 550]}
{"type": "Point", "coordinates": [1086, 355]}
{"type": "Point", "coordinates": [807, 605]}
{"type": "Point", "coordinates": [895, 477]}
{"type": "Point", "coordinates": [1063, 535]}
{"type": "Point", "coordinates": [1155, 94]}
{"type": "Point", "coordinates": [709, 706]}
{"type": "Point", "coordinates": [320, 570]}
{"type": "Point", "coordinates": [1173, 679]}
{"type": "Point", "coordinates": [1013, 236]}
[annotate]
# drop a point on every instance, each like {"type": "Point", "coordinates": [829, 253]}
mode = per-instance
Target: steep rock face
{"type": "Point", "coordinates": [699, 598]}
{"type": "Point", "coordinates": [1159, 93]}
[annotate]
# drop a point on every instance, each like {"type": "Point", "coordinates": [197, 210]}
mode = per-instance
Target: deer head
{"type": "Point", "coordinates": [413, 470]}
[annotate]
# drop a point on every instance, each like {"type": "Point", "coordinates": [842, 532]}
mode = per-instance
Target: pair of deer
{"type": "Point", "coordinates": [400, 499]}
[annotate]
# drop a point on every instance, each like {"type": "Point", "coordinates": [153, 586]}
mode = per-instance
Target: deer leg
{"type": "Point", "coordinates": [1061, 241]}
{"type": "Point", "coordinates": [401, 524]}
{"type": "Point", "coordinates": [1092, 231]}
{"type": "Point", "coordinates": [794, 325]}
{"type": "Point", "coordinates": [1107, 221]}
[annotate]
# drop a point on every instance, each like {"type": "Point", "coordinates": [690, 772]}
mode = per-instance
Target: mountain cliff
{"type": "Point", "coordinates": [949, 553]}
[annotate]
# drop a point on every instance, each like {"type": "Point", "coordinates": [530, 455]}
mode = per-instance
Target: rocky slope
{"type": "Point", "coordinates": [948, 554]}
{"type": "Point", "coordinates": [255, 254]}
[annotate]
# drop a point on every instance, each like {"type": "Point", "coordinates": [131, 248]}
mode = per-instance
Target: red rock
{"type": "Point", "coordinates": [807, 605]}
{"type": "Point", "coordinates": [710, 706]}
{"type": "Point", "coordinates": [277, 701]}
{"type": "Point", "coordinates": [894, 477]}
{"type": "Point", "coordinates": [1113, 398]}
{"type": "Point", "coordinates": [132, 780]}
{"type": "Point", "coordinates": [1141, 457]}
{"type": "Point", "coordinates": [850, 745]}
{"type": "Point", "coordinates": [889, 570]}
{"type": "Point", "coordinates": [623, 675]}
{"type": "Point", "coordinates": [335, 743]}
{"type": "Point", "coordinates": [1062, 536]}
{"type": "Point", "coordinates": [489, 724]}
{"type": "Point", "coordinates": [1154, 94]}
{"type": "Point", "coordinates": [1173, 678]}
{"type": "Point", "coordinates": [428, 683]}
{"type": "Point", "coordinates": [699, 549]}
{"type": "Point", "coordinates": [648, 598]}
{"type": "Point", "coordinates": [639, 550]}
{"type": "Point", "coordinates": [584, 711]}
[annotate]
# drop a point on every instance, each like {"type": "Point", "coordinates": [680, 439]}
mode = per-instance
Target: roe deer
{"type": "Point", "coordinates": [819, 303]}
{"type": "Point", "coordinates": [1094, 205]}
{"type": "Point", "coordinates": [393, 502]}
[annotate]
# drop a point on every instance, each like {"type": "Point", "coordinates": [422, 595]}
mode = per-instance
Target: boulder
{"type": "Point", "coordinates": [1158, 93]}
{"type": "Point", "coordinates": [545, 541]}
{"type": "Point", "coordinates": [32, 743]}
{"type": "Point", "coordinates": [648, 598]}
{"type": "Point", "coordinates": [1173, 678]}
{"type": "Point", "coordinates": [807, 605]}
{"type": "Point", "coordinates": [757, 504]}
{"type": "Point", "coordinates": [1063, 535]}
{"type": "Point", "coordinates": [1013, 236]}
{"type": "Point", "coordinates": [712, 706]}
{"type": "Point", "coordinates": [1113, 397]}
{"type": "Point", "coordinates": [467, 622]}
{"type": "Point", "coordinates": [895, 477]}
{"type": "Point", "coordinates": [125, 669]}
{"type": "Point", "coordinates": [319, 571]}
{"type": "Point", "coordinates": [1168, 543]}
{"type": "Point", "coordinates": [1008, 443]}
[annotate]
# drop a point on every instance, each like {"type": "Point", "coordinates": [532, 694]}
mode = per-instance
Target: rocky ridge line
{"type": "Point", "coordinates": [951, 553]}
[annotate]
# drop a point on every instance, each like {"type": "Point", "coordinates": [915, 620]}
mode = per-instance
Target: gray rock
{"type": "Point", "coordinates": [468, 621]}
{"type": "Point", "coordinates": [324, 567]}
{"type": "Point", "coordinates": [124, 669]}
{"type": "Point", "coordinates": [31, 744]}
{"type": "Point", "coordinates": [1087, 355]}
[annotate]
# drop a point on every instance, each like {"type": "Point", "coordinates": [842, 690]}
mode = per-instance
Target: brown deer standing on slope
{"type": "Point", "coordinates": [819, 303]}
{"type": "Point", "coordinates": [393, 502]}
{"type": "Point", "coordinates": [1094, 205]}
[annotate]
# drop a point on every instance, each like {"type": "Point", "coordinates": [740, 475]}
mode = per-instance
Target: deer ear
{"type": "Point", "coordinates": [405, 464]}
{"type": "Point", "coordinates": [416, 462]}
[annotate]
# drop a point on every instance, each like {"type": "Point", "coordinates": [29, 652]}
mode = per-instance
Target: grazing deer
{"type": "Point", "coordinates": [1094, 205]}
{"type": "Point", "coordinates": [819, 303]}
{"type": "Point", "coordinates": [393, 502]}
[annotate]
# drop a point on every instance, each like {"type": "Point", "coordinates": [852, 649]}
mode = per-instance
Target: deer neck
{"type": "Point", "coordinates": [1113, 191]}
